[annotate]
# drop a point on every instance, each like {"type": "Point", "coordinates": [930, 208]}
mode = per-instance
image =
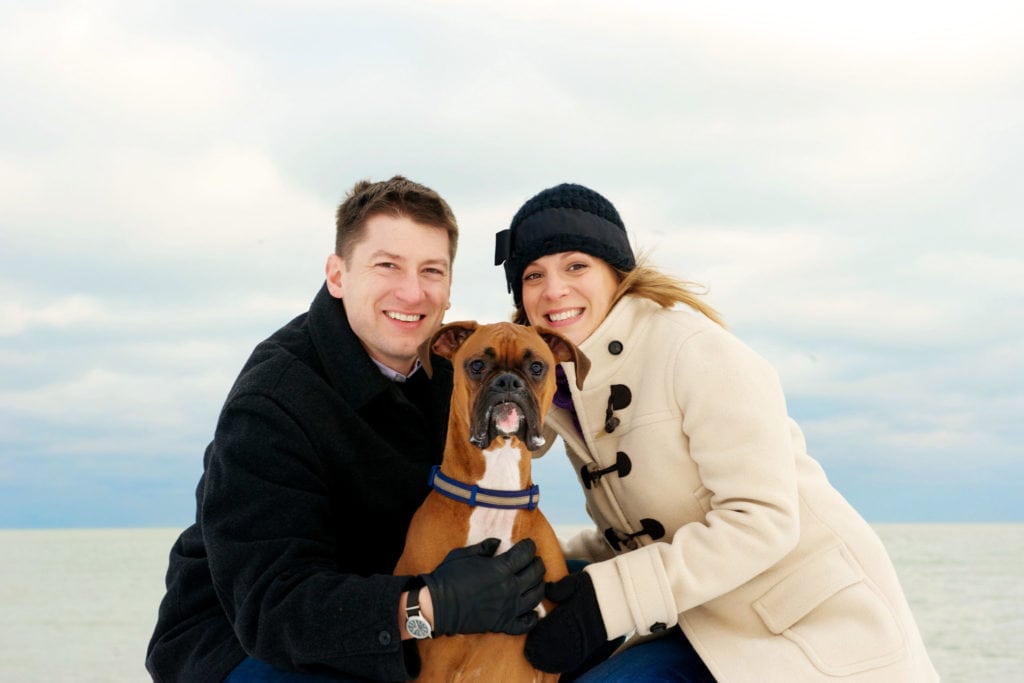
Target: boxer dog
{"type": "Point", "coordinates": [504, 380]}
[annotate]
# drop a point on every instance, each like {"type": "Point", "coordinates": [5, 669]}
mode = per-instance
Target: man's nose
{"type": "Point", "coordinates": [410, 289]}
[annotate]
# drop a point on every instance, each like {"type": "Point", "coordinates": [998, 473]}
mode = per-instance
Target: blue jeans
{"type": "Point", "coordinates": [254, 671]}
{"type": "Point", "coordinates": [671, 658]}
{"type": "Point", "coordinates": [667, 659]}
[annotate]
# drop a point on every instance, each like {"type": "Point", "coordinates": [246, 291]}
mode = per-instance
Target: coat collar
{"type": "Point", "coordinates": [347, 366]}
{"type": "Point", "coordinates": [613, 341]}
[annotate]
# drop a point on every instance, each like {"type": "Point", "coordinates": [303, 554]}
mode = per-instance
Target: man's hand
{"type": "Point", "coordinates": [474, 592]}
{"type": "Point", "coordinates": [566, 638]}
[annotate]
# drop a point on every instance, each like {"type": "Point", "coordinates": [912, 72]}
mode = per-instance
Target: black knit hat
{"type": "Point", "coordinates": [566, 217]}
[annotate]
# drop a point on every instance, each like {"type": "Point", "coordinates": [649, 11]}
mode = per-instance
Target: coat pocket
{"type": "Point", "coordinates": [840, 621]}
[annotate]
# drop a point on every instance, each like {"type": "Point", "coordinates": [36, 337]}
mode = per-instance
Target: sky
{"type": "Point", "coordinates": [844, 179]}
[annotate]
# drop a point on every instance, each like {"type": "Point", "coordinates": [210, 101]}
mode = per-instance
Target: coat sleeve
{"type": "Point", "coordinates": [274, 558]}
{"type": "Point", "coordinates": [737, 430]}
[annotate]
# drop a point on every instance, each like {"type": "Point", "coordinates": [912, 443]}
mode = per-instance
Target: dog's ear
{"type": "Point", "coordinates": [445, 342]}
{"type": "Point", "coordinates": [565, 351]}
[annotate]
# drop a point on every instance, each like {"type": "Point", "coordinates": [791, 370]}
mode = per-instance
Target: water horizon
{"type": "Point", "coordinates": [80, 603]}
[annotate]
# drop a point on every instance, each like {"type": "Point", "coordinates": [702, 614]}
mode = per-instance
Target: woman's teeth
{"type": "Point", "coordinates": [564, 315]}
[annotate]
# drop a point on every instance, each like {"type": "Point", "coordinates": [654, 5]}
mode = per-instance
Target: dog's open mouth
{"type": "Point", "coordinates": [507, 418]}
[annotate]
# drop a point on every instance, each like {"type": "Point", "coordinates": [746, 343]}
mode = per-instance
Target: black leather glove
{"type": "Point", "coordinates": [574, 630]}
{"type": "Point", "coordinates": [474, 592]}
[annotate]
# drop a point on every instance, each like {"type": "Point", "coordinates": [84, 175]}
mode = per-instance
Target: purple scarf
{"type": "Point", "coordinates": [563, 397]}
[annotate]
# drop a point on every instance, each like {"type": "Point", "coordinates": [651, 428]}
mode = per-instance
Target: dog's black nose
{"type": "Point", "coordinates": [507, 381]}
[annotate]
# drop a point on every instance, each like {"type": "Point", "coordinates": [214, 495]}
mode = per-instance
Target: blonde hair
{"type": "Point", "coordinates": [650, 283]}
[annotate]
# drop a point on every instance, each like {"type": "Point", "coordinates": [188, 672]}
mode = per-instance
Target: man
{"type": "Point", "coordinates": [320, 457]}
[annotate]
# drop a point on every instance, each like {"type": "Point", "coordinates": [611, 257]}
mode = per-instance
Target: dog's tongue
{"type": "Point", "coordinates": [507, 418]}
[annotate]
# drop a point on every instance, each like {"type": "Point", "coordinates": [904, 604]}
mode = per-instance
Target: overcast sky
{"type": "Point", "coordinates": [845, 181]}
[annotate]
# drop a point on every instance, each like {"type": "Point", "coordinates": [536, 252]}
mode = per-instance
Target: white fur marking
{"type": "Point", "coordinates": [501, 472]}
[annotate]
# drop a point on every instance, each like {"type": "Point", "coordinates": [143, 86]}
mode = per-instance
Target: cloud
{"type": "Point", "coordinates": [64, 312]}
{"type": "Point", "coordinates": [101, 66]}
{"type": "Point", "coordinates": [842, 180]}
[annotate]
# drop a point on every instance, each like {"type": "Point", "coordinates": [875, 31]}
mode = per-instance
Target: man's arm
{"type": "Point", "coordinates": [270, 530]}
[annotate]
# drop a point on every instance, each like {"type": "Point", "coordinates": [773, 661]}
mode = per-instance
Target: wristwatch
{"type": "Point", "coordinates": [415, 624]}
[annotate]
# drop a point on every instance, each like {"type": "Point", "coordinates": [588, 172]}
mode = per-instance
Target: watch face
{"type": "Point", "coordinates": [418, 627]}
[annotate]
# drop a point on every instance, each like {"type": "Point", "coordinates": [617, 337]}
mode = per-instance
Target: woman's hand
{"type": "Point", "coordinates": [574, 630]}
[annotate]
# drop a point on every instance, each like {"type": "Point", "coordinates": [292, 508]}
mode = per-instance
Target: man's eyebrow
{"type": "Point", "coordinates": [436, 262]}
{"type": "Point", "coordinates": [380, 253]}
{"type": "Point", "coordinates": [384, 254]}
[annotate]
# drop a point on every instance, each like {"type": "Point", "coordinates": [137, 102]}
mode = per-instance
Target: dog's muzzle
{"type": "Point", "coordinates": [506, 407]}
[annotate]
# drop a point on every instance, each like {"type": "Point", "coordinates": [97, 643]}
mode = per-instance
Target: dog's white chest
{"type": "Point", "coordinates": [501, 472]}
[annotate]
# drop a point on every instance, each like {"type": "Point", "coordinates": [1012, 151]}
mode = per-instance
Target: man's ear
{"type": "Point", "coordinates": [333, 271]}
{"type": "Point", "coordinates": [566, 352]}
{"type": "Point", "coordinates": [445, 342]}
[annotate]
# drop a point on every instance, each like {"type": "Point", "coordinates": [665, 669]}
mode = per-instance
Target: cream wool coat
{"type": "Point", "coordinates": [724, 524]}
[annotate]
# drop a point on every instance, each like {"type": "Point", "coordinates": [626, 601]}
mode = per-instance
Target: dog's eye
{"type": "Point", "coordinates": [537, 368]}
{"type": "Point", "coordinates": [476, 366]}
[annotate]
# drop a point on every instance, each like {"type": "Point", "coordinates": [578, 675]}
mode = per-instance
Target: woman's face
{"type": "Point", "coordinates": [569, 292]}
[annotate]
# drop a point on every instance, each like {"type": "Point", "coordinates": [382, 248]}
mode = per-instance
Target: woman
{"type": "Point", "coordinates": [720, 547]}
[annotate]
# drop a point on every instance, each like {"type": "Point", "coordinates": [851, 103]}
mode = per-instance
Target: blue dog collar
{"type": "Point", "coordinates": [472, 495]}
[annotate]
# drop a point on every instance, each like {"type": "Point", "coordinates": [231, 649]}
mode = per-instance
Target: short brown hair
{"type": "Point", "coordinates": [398, 196]}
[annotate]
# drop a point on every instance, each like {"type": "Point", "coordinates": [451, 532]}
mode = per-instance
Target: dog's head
{"type": "Point", "coordinates": [505, 374]}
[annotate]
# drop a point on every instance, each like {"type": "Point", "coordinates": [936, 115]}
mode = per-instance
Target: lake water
{"type": "Point", "coordinates": [79, 605]}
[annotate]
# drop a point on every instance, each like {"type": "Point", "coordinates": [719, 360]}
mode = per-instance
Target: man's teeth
{"type": "Point", "coordinates": [564, 315]}
{"type": "Point", "coordinates": [404, 317]}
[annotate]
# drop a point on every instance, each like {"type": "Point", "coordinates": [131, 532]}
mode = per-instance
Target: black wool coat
{"type": "Point", "coordinates": [317, 465]}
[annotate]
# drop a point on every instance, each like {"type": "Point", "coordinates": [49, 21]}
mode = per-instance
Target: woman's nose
{"type": "Point", "coordinates": [554, 287]}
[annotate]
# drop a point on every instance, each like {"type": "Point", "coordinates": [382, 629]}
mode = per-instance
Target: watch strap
{"type": "Point", "coordinates": [412, 601]}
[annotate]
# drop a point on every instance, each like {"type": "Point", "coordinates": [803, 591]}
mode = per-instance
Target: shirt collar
{"type": "Point", "coordinates": [394, 375]}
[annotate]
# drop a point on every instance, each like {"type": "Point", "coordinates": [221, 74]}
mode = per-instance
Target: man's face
{"type": "Point", "coordinates": [396, 287]}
